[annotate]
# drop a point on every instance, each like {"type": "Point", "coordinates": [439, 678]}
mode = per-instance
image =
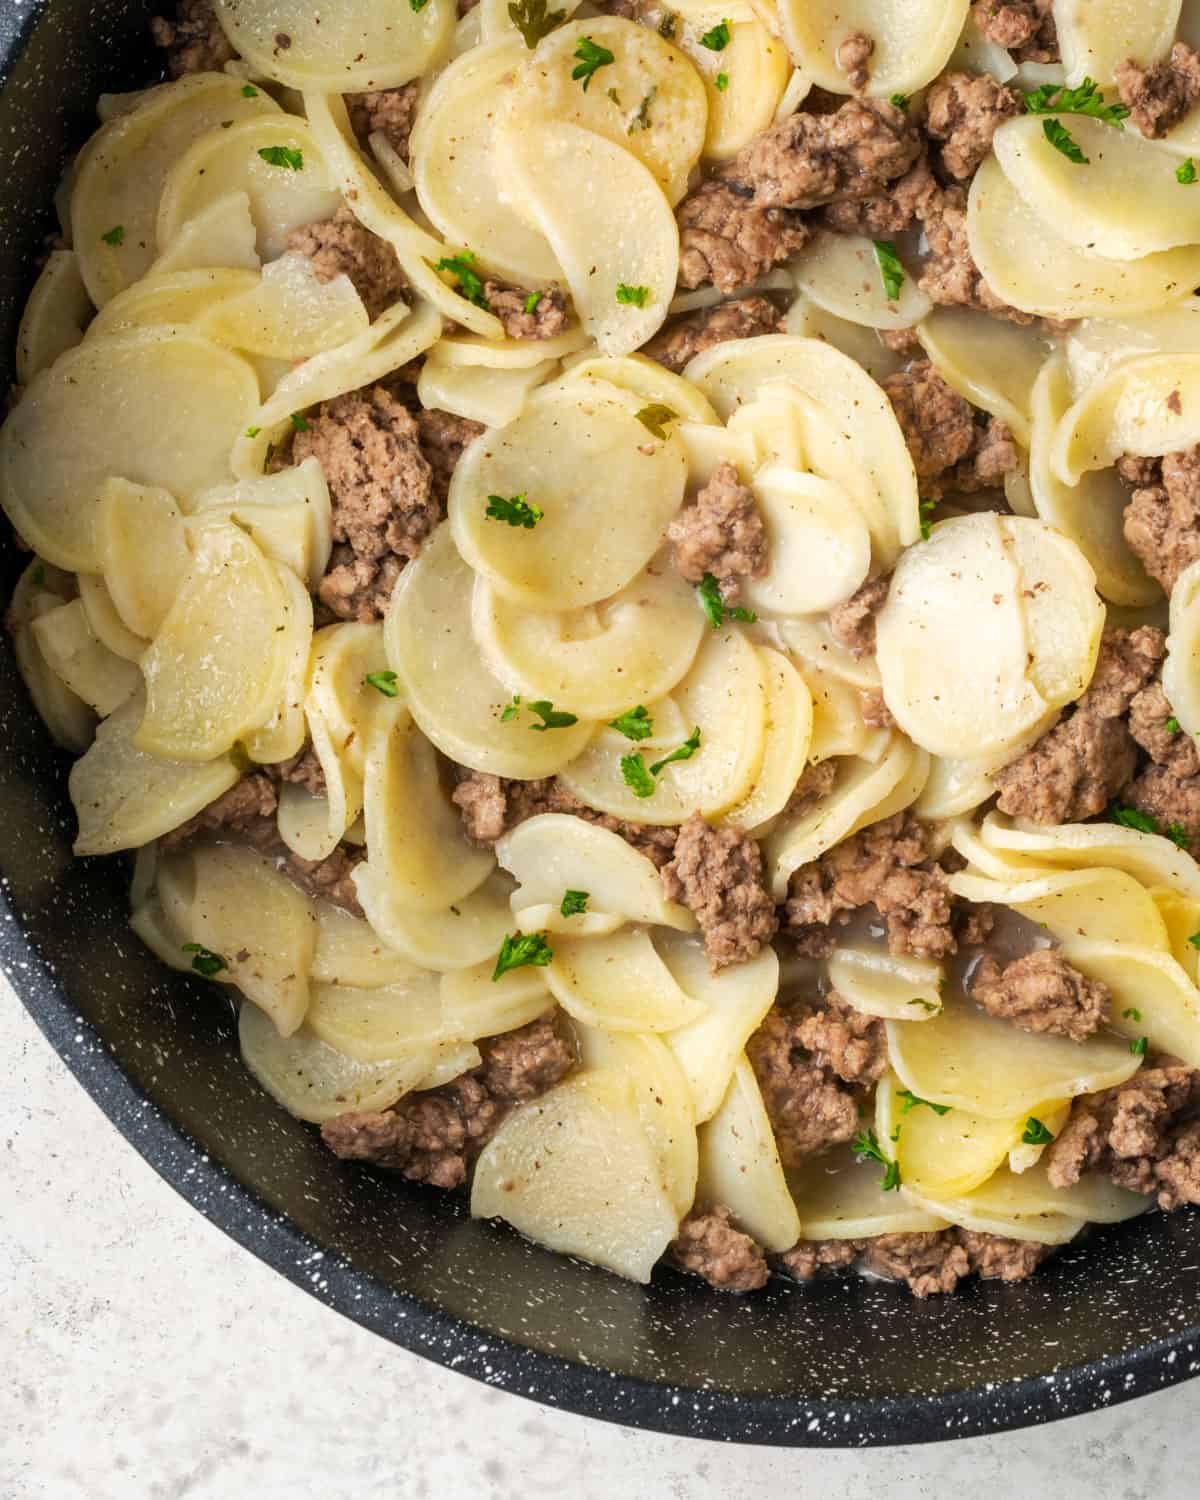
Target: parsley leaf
{"type": "Point", "coordinates": [636, 777]}
{"type": "Point", "coordinates": [417, 6]}
{"type": "Point", "coordinates": [115, 236]}
{"type": "Point", "coordinates": [683, 752]}
{"type": "Point", "coordinates": [574, 903]}
{"type": "Point", "coordinates": [1133, 1014]}
{"type": "Point", "coordinates": [1138, 1047]}
{"type": "Point", "coordinates": [927, 508]}
{"type": "Point", "coordinates": [1186, 174]}
{"type": "Point", "coordinates": [866, 1144]}
{"type": "Point", "coordinates": [470, 283]}
{"type": "Point", "coordinates": [383, 682]}
{"type": "Point", "coordinates": [900, 101]}
{"type": "Point", "coordinates": [636, 724]}
{"type": "Point", "coordinates": [722, 82]}
{"type": "Point", "coordinates": [1130, 817]}
{"type": "Point", "coordinates": [926, 1005]}
{"type": "Point", "coordinates": [1087, 99]}
{"type": "Point", "coordinates": [1062, 140]}
{"type": "Point", "coordinates": [911, 1101]}
{"type": "Point", "coordinates": [614, 96]}
{"type": "Point", "coordinates": [890, 269]}
{"type": "Point", "coordinates": [1194, 940]}
{"type": "Point", "coordinates": [282, 156]}
{"type": "Point", "coordinates": [532, 301]}
{"type": "Point", "coordinates": [512, 710]}
{"type": "Point", "coordinates": [642, 121]}
{"type": "Point", "coordinates": [654, 418]}
{"type": "Point", "coordinates": [517, 511]}
{"type": "Point", "coordinates": [249, 91]}
{"type": "Point", "coordinates": [533, 20]}
{"type": "Point", "coordinates": [550, 716]}
{"type": "Point", "coordinates": [299, 422]}
{"type": "Point", "coordinates": [591, 57]}
{"type": "Point", "coordinates": [1036, 1133]}
{"type": "Point", "coordinates": [520, 951]}
{"type": "Point", "coordinates": [253, 431]}
{"type": "Point", "coordinates": [1178, 835]}
{"type": "Point", "coordinates": [205, 961]}
{"type": "Point", "coordinates": [38, 577]}
{"type": "Point", "coordinates": [717, 39]}
{"type": "Point", "coordinates": [715, 607]}
{"type": "Point", "coordinates": [632, 296]}
{"type": "Point", "coordinates": [1172, 725]}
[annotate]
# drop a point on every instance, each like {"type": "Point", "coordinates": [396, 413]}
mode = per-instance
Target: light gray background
{"type": "Point", "coordinates": [147, 1357]}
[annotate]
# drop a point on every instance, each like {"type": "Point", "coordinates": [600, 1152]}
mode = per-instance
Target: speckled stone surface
{"type": "Point", "coordinates": [148, 1357]}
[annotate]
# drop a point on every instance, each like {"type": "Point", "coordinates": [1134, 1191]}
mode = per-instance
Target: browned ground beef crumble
{"type": "Point", "coordinates": [1162, 520]}
{"type": "Point", "coordinates": [710, 1246]}
{"type": "Point", "coordinates": [546, 319]}
{"type": "Point", "coordinates": [194, 41]}
{"type": "Point", "coordinates": [682, 340]}
{"type": "Point", "coordinates": [1159, 96]}
{"type": "Point", "coordinates": [718, 874]}
{"type": "Point", "coordinates": [341, 246]}
{"type": "Point", "coordinates": [443, 436]}
{"type": "Point", "coordinates": [963, 112]}
{"type": "Point", "coordinates": [721, 533]}
{"type": "Point", "coordinates": [816, 781]}
{"type": "Point", "coordinates": [853, 56]}
{"type": "Point", "coordinates": [853, 622]}
{"type": "Point", "coordinates": [387, 112]}
{"type": "Point", "coordinates": [954, 447]}
{"type": "Point", "coordinates": [1024, 27]}
{"type": "Point", "coordinates": [1041, 993]}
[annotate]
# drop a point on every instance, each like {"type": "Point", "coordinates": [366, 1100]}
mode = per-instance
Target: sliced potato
{"type": "Point", "coordinates": [384, 1021]}
{"type": "Point", "coordinates": [104, 621]}
{"type": "Point", "coordinates": [618, 983]}
{"type": "Point", "coordinates": [1149, 857]}
{"type": "Point", "coordinates": [291, 314]}
{"type": "Point", "coordinates": [143, 551]}
{"type": "Point", "coordinates": [757, 70]}
{"type": "Point", "coordinates": [879, 983]}
{"type": "Point", "coordinates": [1153, 995]}
{"type": "Point", "coordinates": [350, 951]}
{"type": "Point", "coordinates": [839, 1198]}
{"type": "Point", "coordinates": [476, 1005]}
{"type": "Point", "coordinates": [70, 722]}
{"type": "Point", "coordinates": [55, 316]}
{"type": "Point", "coordinates": [343, 657]}
{"type": "Point", "coordinates": [458, 937]}
{"type": "Point", "coordinates": [840, 272]}
{"type": "Point", "coordinates": [820, 547]}
{"type": "Point", "coordinates": [789, 727]}
{"type": "Point", "coordinates": [913, 42]}
{"type": "Point", "coordinates": [170, 297]}
{"type": "Point", "coordinates": [89, 669]}
{"type": "Point", "coordinates": [993, 364]}
{"type": "Point", "coordinates": [494, 397]}
{"type": "Point", "coordinates": [942, 1153]}
{"type": "Point", "coordinates": [1096, 39]}
{"type": "Point", "coordinates": [221, 234]}
{"type": "Point", "coordinates": [1148, 406]}
{"type": "Point", "coordinates": [740, 1167]}
{"type": "Point", "coordinates": [288, 514]}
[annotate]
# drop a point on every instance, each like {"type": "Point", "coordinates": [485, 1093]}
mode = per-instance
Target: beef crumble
{"type": "Point", "coordinates": [1041, 993]}
{"type": "Point", "coordinates": [717, 873]}
{"type": "Point", "coordinates": [681, 341]}
{"type": "Point", "coordinates": [929, 1263]}
{"type": "Point", "coordinates": [1159, 96]}
{"type": "Point", "coordinates": [709, 1245]}
{"type": "Point", "coordinates": [853, 57]}
{"type": "Point", "coordinates": [1024, 27]}
{"type": "Point", "coordinates": [341, 246]}
{"type": "Point", "coordinates": [726, 238]}
{"type": "Point", "coordinates": [938, 424]}
{"type": "Point", "coordinates": [950, 276]}
{"type": "Point", "coordinates": [963, 112]}
{"type": "Point", "coordinates": [387, 112]}
{"type": "Point", "coordinates": [891, 210]}
{"type": "Point", "coordinates": [546, 318]}
{"type": "Point", "coordinates": [442, 437]}
{"type": "Point", "coordinates": [852, 623]}
{"type": "Point", "coordinates": [1162, 520]}
{"type": "Point", "coordinates": [721, 534]}
{"type": "Point", "coordinates": [193, 41]}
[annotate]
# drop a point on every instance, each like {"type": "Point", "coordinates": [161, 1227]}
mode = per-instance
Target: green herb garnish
{"type": "Point", "coordinates": [890, 268]}
{"type": "Point", "coordinates": [532, 301]}
{"type": "Point", "coordinates": [636, 724]}
{"type": "Point", "coordinates": [642, 121]}
{"type": "Point", "coordinates": [299, 422]}
{"type": "Point", "coordinates": [911, 1101]}
{"type": "Point", "coordinates": [1138, 1048]}
{"type": "Point", "coordinates": [204, 960]}
{"type": "Point", "coordinates": [282, 156]}
{"type": "Point", "coordinates": [926, 508]}
{"type": "Point", "coordinates": [533, 20]}
{"type": "Point", "coordinates": [722, 81]}
{"type": "Point", "coordinates": [574, 903]}
{"type": "Point", "coordinates": [38, 577]}
{"type": "Point", "coordinates": [636, 777]}
{"type": "Point", "coordinates": [1087, 99]}
{"type": "Point", "coordinates": [516, 511]}
{"type": "Point", "coordinates": [512, 710]}
{"type": "Point", "coordinates": [1178, 835]}
{"type": "Point", "coordinates": [1172, 725]}
{"type": "Point", "coordinates": [1130, 817]}
{"type": "Point", "coordinates": [1186, 174]}
{"type": "Point", "coordinates": [470, 283]}
{"type": "Point", "coordinates": [253, 431]}
{"type": "Point", "coordinates": [249, 91]}
{"type": "Point", "coordinates": [683, 752]}
{"type": "Point", "coordinates": [926, 1005]}
{"type": "Point", "coordinates": [715, 607]}
{"type": "Point", "coordinates": [900, 101]}
{"type": "Point", "coordinates": [866, 1144]}
{"type": "Point", "coordinates": [1062, 140]}
{"type": "Point", "coordinates": [550, 716]}
{"type": "Point", "coordinates": [115, 236]}
{"type": "Point", "coordinates": [1132, 1014]}
{"type": "Point", "coordinates": [383, 682]}
{"type": "Point", "coordinates": [717, 39]}
{"type": "Point", "coordinates": [591, 57]}
{"type": "Point", "coordinates": [520, 951]}
{"type": "Point", "coordinates": [632, 296]}
{"type": "Point", "coordinates": [1036, 1133]}
{"type": "Point", "coordinates": [654, 417]}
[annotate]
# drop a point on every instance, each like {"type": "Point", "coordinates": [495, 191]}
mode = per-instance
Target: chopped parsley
{"type": "Point", "coordinates": [1130, 817]}
{"type": "Point", "coordinates": [383, 682]}
{"type": "Point", "coordinates": [38, 577]}
{"type": "Point", "coordinates": [717, 39]}
{"type": "Point", "coordinates": [911, 1101]}
{"type": "Point", "coordinates": [655, 417]}
{"type": "Point", "coordinates": [520, 951]}
{"type": "Point", "coordinates": [517, 511]}
{"type": "Point", "coordinates": [115, 236]}
{"type": "Point", "coordinates": [1138, 1047]}
{"type": "Point", "coordinates": [282, 156]}
{"type": "Point", "coordinates": [1194, 940]}
{"type": "Point", "coordinates": [866, 1144]}
{"type": "Point", "coordinates": [1178, 835]}
{"type": "Point", "coordinates": [299, 422]}
{"type": "Point", "coordinates": [533, 20]}
{"type": "Point", "coordinates": [1172, 725]}
{"type": "Point", "coordinates": [722, 82]}
{"type": "Point", "coordinates": [1036, 1133]}
{"type": "Point", "coordinates": [551, 717]}
{"type": "Point", "coordinates": [204, 960]}
{"type": "Point", "coordinates": [642, 121]}
{"type": "Point", "coordinates": [1186, 174]}
{"type": "Point", "coordinates": [249, 91]}
{"type": "Point", "coordinates": [636, 724]}
{"type": "Point", "coordinates": [614, 96]}
{"type": "Point", "coordinates": [927, 508]}
{"type": "Point", "coordinates": [1062, 140]}
{"type": "Point", "coordinates": [592, 57]}
{"type": "Point", "coordinates": [636, 777]}
{"type": "Point", "coordinates": [900, 101]}
{"type": "Point", "coordinates": [632, 296]}
{"type": "Point", "coordinates": [1132, 1014]}
{"type": "Point", "coordinates": [462, 268]}
{"type": "Point", "coordinates": [926, 1005]}
{"type": "Point", "coordinates": [683, 752]}
{"type": "Point", "coordinates": [574, 903]}
{"type": "Point", "coordinates": [532, 301]}
{"type": "Point", "coordinates": [715, 607]}
{"type": "Point", "coordinates": [417, 6]}
{"type": "Point", "coordinates": [512, 710]}
{"type": "Point", "coordinates": [1087, 99]}
{"type": "Point", "coordinates": [253, 431]}
{"type": "Point", "coordinates": [890, 269]}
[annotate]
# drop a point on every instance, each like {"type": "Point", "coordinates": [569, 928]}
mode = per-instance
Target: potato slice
{"type": "Point", "coordinates": [757, 70]}
{"type": "Point", "coordinates": [576, 1171]}
{"type": "Point", "coordinates": [217, 667]}
{"type": "Point", "coordinates": [291, 314]}
{"type": "Point", "coordinates": [70, 722]}
{"type": "Point", "coordinates": [618, 983]}
{"type": "Point", "coordinates": [724, 696]}
{"type": "Point", "coordinates": [820, 548]}
{"type": "Point", "coordinates": [350, 951]}
{"type": "Point", "coordinates": [517, 354]}
{"type": "Point", "coordinates": [1094, 347]}
{"type": "Point", "coordinates": [124, 797]}
{"type": "Point", "coordinates": [170, 297]}
{"type": "Point", "coordinates": [840, 272]}
{"type": "Point", "coordinates": [142, 550]}
{"type": "Point", "coordinates": [839, 1198]}
{"type": "Point", "coordinates": [288, 514]}
{"type": "Point", "coordinates": [1025, 1207]}
{"type": "Point", "coordinates": [810, 639]}
{"type": "Point", "coordinates": [343, 657]}
{"type": "Point", "coordinates": [663, 1100]}
{"type": "Point", "coordinates": [598, 660]}
{"type": "Point", "coordinates": [283, 733]}
{"type": "Point", "coordinates": [913, 42]}
{"type": "Point", "coordinates": [55, 316]}
{"type": "Point", "coordinates": [993, 364]}
{"type": "Point", "coordinates": [458, 937]}
{"type": "Point", "coordinates": [942, 1155]}
{"type": "Point", "coordinates": [1105, 905]}
{"type": "Point", "coordinates": [740, 1168]}
{"type": "Point", "coordinates": [1031, 264]}
{"type": "Point", "coordinates": [476, 1005]}
{"type": "Point", "coordinates": [418, 848]}
{"type": "Point", "coordinates": [863, 345]}
{"type": "Point", "coordinates": [614, 229]}
{"type": "Point", "coordinates": [234, 902]}
{"type": "Point", "coordinates": [1053, 1116]}
{"type": "Point", "coordinates": [735, 1002]}
{"type": "Point", "coordinates": [1096, 39]}
{"type": "Point", "coordinates": [786, 746]}
{"type": "Point", "coordinates": [104, 621]}
{"type": "Point", "coordinates": [659, 112]}
{"type": "Point", "coordinates": [646, 378]}
{"type": "Point", "coordinates": [120, 174]}
{"type": "Point", "coordinates": [878, 983]}
{"type": "Point", "coordinates": [1183, 649]}
{"type": "Point", "coordinates": [1148, 406]}
{"type": "Point", "coordinates": [972, 1061]}
{"type": "Point", "coordinates": [554, 853]}
{"type": "Point", "coordinates": [607, 489]}
{"type": "Point", "coordinates": [1153, 995]}
{"type": "Point", "coordinates": [384, 1021]}
{"type": "Point", "coordinates": [89, 669]}
{"type": "Point", "coordinates": [101, 393]}
{"type": "Point", "coordinates": [457, 702]}
{"type": "Point", "coordinates": [1181, 917]}
{"type": "Point", "coordinates": [478, 392]}
{"type": "Point", "coordinates": [221, 234]}
{"type": "Point", "coordinates": [1149, 857]}
{"type": "Point", "coordinates": [954, 788]}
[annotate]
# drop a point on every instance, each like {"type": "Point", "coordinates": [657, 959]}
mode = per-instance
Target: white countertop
{"type": "Point", "coordinates": [147, 1357]}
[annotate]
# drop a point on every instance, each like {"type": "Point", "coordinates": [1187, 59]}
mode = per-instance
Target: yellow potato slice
{"type": "Point", "coordinates": [291, 314]}
{"type": "Point", "coordinates": [349, 951]}
{"type": "Point", "coordinates": [457, 702]}
{"type": "Point", "coordinates": [740, 1167]}
{"type": "Point", "coordinates": [283, 733]}
{"type": "Point", "coordinates": [942, 1155]}
{"type": "Point", "coordinates": [647, 378]}
{"type": "Point", "coordinates": [90, 670]}
{"type": "Point", "coordinates": [840, 273]}
{"type": "Point", "coordinates": [1148, 406]}
{"type": "Point", "coordinates": [140, 540]}
{"type": "Point", "coordinates": [384, 1021]}
{"type": "Point", "coordinates": [576, 1171]}
{"type": "Point", "coordinates": [104, 621]}
{"type": "Point", "coordinates": [1181, 916]}
{"type": "Point", "coordinates": [1053, 1116]}
{"type": "Point", "coordinates": [863, 345]}
{"type": "Point", "coordinates": [458, 937]}
{"type": "Point", "coordinates": [878, 983]}
{"type": "Point", "coordinates": [618, 983]}
{"type": "Point", "coordinates": [343, 657]}
{"type": "Point", "coordinates": [757, 70]}
{"type": "Point", "coordinates": [222, 234]}
{"type": "Point", "coordinates": [839, 1198]}
{"type": "Point", "coordinates": [170, 297]}
{"type": "Point", "coordinates": [101, 392]}
{"type": "Point", "coordinates": [55, 316]}
{"type": "Point", "coordinates": [1104, 905]}
{"type": "Point", "coordinates": [477, 1005]}
{"type": "Point", "coordinates": [288, 514]}
{"type": "Point", "coordinates": [819, 545]}
{"type": "Point", "coordinates": [1153, 995]}
{"type": "Point", "coordinates": [1095, 39]}
{"type": "Point", "coordinates": [913, 42]}
{"type": "Point", "coordinates": [1179, 674]}
{"type": "Point", "coordinates": [993, 364]}
{"type": "Point", "coordinates": [515, 354]}
{"type": "Point", "coordinates": [70, 722]}
{"type": "Point", "coordinates": [789, 729]}
{"type": "Point", "coordinates": [479, 393]}
{"type": "Point", "coordinates": [954, 788]}
{"type": "Point", "coordinates": [217, 666]}
{"type": "Point", "coordinates": [1149, 857]}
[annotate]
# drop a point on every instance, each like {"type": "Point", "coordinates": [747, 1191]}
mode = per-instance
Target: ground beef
{"type": "Point", "coordinates": [328, 879]}
{"type": "Point", "coordinates": [546, 320]}
{"type": "Point", "coordinates": [443, 436]}
{"type": "Point", "coordinates": [491, 805]}
{"type": "Point", "coordinates": [709, 1245]}
{"type": "Point", "coordinates": [994, 454]}
{"type": "Point", "coordinates": [933, 1262]}
{"type": "Point", "coordinates": [938, 424]}
{"type": "Point", "coordinates": [388, 112]}
{"type": "Point", "coordinates": [1172, 801]}
{"type": "Point", "coordinates": [902, 341]}
{"type": "Point", "coordinates": [853, 55]}
{"type": "Point", "coordinates": [721, 533]}
{"type": "Point", "coordinates": [1149, 715]}
{"type": "Point", "coordinates": [963, 111]}
{"type": "Point", "coordinates": [717, 873]}
{"type": "Point", "coordinates": [683, 340]}
{"type": "Point", "coordinates": [728, 239]}
{"type": "Point", "coordinates": [808, 1258]}
{"type": "Point", "coordinates": [890, 211]}
{"type": "Point", "coordinates": [928, 1263]}
{"type": "Point", "coordinates": [194, 41]}
{"type": "Point", "coordinates": [1158, 97]}
{"type": "Point", "coordinates": [304, 770]}
{"type": "Point", "coordinates": [383, 501]}
{"type": "Point", "coordinates": [994, 1258]}
{"type": "Point", "coordinates": [433, 1136]}
{"type": "Point", "coordinates": [811, 1110]}
{"type": "Point", "coordinates": [1162, 521]}
{"type": "Point", "coordinates": [974, 924]}
{"type": "Point", "coordinates": [1076, 769]}
{"type": "Point", "coordinates": [248, 803]}
{"type": "Point", "coordinates": [849, 1044]}
{"type": "Point", "coordinates": [816, 781]}
{"type": "Point", "coordinates": [885, 866]}
{"type": "Point", "coordinates": [1041, 993]}
{"type": "Point", "coordinates": [874, 711]}
{"type": "Point", "coordinates": [853, 622]}
{"type": "Point", "coordinates": [342, 246]}
{"type": "Point", "coordinates": [1143, 1134]}
{"type": "Point", "coordinates": [950, 276]}
{"type": "Point", "coordinates": [1024, 27]}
